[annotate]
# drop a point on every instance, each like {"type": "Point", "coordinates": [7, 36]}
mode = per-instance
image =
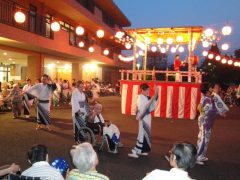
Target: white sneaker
{"type": "Point", "coordinates": [143, 154]}
{"type": "Point", "coordinates": [27, 116]}
{"type": "Point", "coordinates": [115, 151]}
{"type": "Point", "coordinates": [202, 158]}
{"type": "Point", "coordinates": [199, 162]}
{"type": "Point", "coordinates": [133, 155]}
{"type": "Point", "coordinates": [119, 145]}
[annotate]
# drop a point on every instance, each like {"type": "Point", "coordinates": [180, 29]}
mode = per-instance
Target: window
{"type": "Point", "coordinates": [32, 18]}
{"type": "Point", "coordinates": [66, 27]}
{"type": "Point", "coordinates": [107, 19]}
{"type": "Point", "coordinates": [48, 25]}
{"type": "Point", "coordinates": [88, 4]}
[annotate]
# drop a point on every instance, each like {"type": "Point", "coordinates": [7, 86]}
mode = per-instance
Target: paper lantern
{"type": "Point", "coordinates": [100, 33]}
{"type": "Point", "coordinates": [106, 52]}
{"type": "Point", "coordinates": [91, 49]}
{"type": "Point", "coordinates": [55, 26]}
{"type": "Point", "coordinates": [226, 30]}
{"type": "Point", "coordinates": [19, 17]}
{"type": "Point", "coordinates": [80, 30]}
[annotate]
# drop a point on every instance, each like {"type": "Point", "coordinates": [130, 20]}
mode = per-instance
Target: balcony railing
{"type": "Point", "coordinates": [34, 22]}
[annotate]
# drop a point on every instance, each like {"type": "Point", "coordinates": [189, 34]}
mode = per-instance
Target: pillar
{"type": "Point", "coordinates": [76, 71]}
{"type": "Point", "coordinates": [35, 65]}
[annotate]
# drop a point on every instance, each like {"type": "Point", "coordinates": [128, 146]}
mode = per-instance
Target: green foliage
{"type": "Point", "coordinates": [216, 72]}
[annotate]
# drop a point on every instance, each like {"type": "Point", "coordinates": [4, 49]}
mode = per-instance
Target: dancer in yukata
{"type": "Point", "coordinates": [43, 92]}
{"type": "Point", "coordinates": [210, 105]}
{"type": "Point", "coordinates": [27, 103]}
{"type": "Point", "coordinates": [80, 108]}
{"type": "Point", "coordinates": [145, 105]}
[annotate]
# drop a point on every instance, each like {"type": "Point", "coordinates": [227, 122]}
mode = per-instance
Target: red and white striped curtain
{"type": "Point", "coordinates": [175, 100]}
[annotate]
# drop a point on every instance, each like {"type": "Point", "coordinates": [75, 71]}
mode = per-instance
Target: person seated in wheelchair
{"type": "Point", "coordinates": [99, 126]}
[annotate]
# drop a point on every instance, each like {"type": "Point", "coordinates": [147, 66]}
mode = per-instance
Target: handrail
{"type": "Point", "coordinates": [152, 74]}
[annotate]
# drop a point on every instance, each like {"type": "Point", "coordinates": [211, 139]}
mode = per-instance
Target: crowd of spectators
{"type": "Point", "coordinates": [61, 95]}
{"type": "Point", "coordinates": [182, 157]}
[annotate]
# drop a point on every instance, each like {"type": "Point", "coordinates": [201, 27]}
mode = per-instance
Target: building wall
{"type": "Point", "coordinates": [59, 46]}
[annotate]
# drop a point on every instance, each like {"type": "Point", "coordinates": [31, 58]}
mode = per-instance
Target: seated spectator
{"type": "Point", "coordinates": [97, 123]}
{"type": "Point", "coordinates": [182, 157]}
{"type": "Point", "coordinates": [38, 158]}
{"type": "Point", "coordinates": [14, 168]}
{"type": "Point", "coordinates": [85, 160]}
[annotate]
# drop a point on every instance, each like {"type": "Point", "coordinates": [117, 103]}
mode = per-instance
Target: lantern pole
{"type": "Point", "coordinates": [134, 59]}
{"type": "Point", "coordinates": [190, 56]}
{"type": "Point", "coordinates": [145, 62]}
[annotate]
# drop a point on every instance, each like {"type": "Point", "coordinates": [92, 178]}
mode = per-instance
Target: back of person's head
{"type": "Point", "coordinates": [98, 107]}
{"type": "Point", "coordinates": [45, 75]}
{"type": "Point", "coordinates": [38, 80]}
{"type": "Point", "coordinates": [204, 88]}
{"type": "Point", "coordinates": [144, 86]}
{"type": "Point", "coordinates": [37, 153]}
{"type": "Point", "coordinates": [185, 154]}
{"type": "Point", "coordinates": [79, 83]}
{"type": "Point", "coordinates": [84, 157]}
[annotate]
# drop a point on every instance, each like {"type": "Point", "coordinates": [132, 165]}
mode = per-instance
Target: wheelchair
{"type": "Point", "coordinates": [86, 134]}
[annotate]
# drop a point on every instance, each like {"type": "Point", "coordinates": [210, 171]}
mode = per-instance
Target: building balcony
{"type": "Point", "coordinates": [34, 22]}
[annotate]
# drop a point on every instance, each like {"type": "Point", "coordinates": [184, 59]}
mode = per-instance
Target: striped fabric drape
{"type": "Point", "coordinates": [175, 100]}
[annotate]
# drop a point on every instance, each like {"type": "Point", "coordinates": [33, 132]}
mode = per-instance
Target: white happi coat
{"type": "Point", "coordinates": [142, 102]}
{"type": "Point", "coordinates": [77, 100]}
{"type": "Point", "coordinates": [42, 92]}
{"type": "Point", "coordinates": [77, 97]}
{"type": "Point", "coordinates": [144, 129]}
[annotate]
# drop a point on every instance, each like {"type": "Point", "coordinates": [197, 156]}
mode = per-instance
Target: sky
{"type": "Point", "coordinates": [169, 13]}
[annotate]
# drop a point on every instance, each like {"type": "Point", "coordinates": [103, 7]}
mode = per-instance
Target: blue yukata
{"type": "Point", "coordinates": [209, 107]}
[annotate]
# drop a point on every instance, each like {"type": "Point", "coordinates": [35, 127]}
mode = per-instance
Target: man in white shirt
{"type": "Point", "coordinates": [182, 157]}
{"type": "Point", "coordinates": [38, 158]}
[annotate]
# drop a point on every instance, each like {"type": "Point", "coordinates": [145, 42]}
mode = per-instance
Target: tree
{"type": "Point", "coordinates": [216, 72]}
{"type": "Point", "coordinates": [156, 60]}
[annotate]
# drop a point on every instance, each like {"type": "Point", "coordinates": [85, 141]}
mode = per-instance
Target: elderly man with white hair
{"type": "Point", "coordinates": [85, 160]}
{"type": "Point", "coordinates": [101, 127]}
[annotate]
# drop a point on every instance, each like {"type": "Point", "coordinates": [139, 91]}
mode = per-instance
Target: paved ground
{"type": "Point", "coordinates": [16, 136]}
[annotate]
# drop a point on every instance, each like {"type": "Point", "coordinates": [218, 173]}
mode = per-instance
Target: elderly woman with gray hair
{"type": "Point", "coordinates": [85, 160]}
